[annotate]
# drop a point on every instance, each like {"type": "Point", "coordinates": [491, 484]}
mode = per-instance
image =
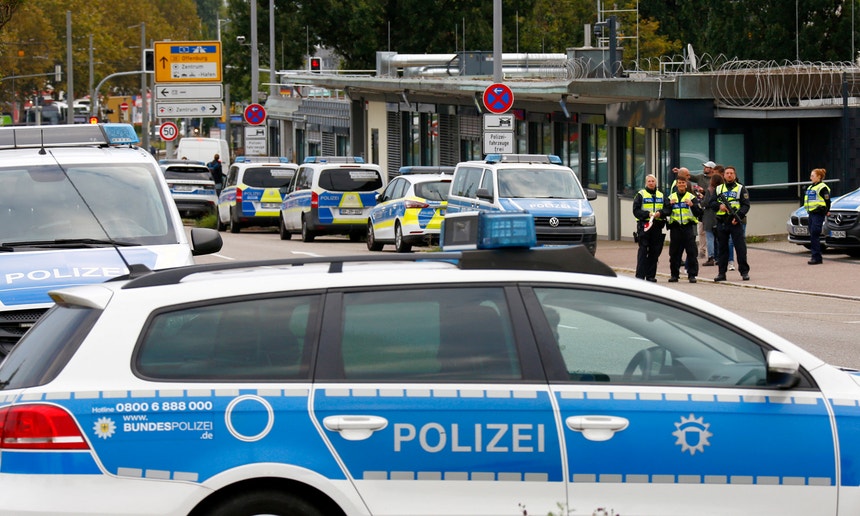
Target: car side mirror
{"type": "Point", "coordinates": [782, 370]}
{"type": "Point", "coordinates": [590, 194]}
{"type": "Point", "coordinates": [484, 194]}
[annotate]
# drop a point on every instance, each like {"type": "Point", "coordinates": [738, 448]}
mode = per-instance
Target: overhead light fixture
{"type": "Point", "coordinates": [478, 104]}
{"type": "Point", "coordinates": [562, 102]}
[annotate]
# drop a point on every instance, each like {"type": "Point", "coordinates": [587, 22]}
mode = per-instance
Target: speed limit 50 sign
{"type": "Point", "coordinates": [168, 131]}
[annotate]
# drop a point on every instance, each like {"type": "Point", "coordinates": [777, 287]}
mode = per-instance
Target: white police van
{"type": "Point", "coordinates": [536, 184]}
{"type": "Point", "coordinates": [488, 381]}
{"type": "Point", "coordinates": [330, 195]}
{"type": "Point", "coordinates": [80, 204]}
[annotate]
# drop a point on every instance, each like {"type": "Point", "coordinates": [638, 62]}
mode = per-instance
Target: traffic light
{"type": "Point", "coordinates": [148, 60]}
{"type": "Point", "coordinates": [316, 64]}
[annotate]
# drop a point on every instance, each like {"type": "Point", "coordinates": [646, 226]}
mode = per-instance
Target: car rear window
{"type": "Point", "coordinates": [435, 191]}
{"type": "Point", "coordinates": [180, 172]}
{"type": "Point", "coordinates": [268, 177]}
{"type": "Point", "coordinates": [46, 349]}
{"type": "Point", "coordinates": [350, 180]}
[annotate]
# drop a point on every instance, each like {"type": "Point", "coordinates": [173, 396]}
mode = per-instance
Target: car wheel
{"type": "Point", "coordinates": [285, 235]}
{"type": "Point", "coordinates": [399, 245]}
{"type": "Point", "coordinates": [307, 234]}
{"type": "Point", "coordinates": [220, 225]}
{"type": "Point", "coordinates": [235, 226]}
{"type": "Point", "coordinates": [269, 501]}
{"type": "Point", "coordinates": [372, 244]}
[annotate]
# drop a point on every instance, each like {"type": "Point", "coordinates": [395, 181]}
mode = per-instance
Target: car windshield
{"type": "Point", "coordinates": [433, 191]}
{"type": "Point", "coordinates": [536, 183]}
{"type": "Point", "coordinates": [268, 177]}
{"type": "Point", "coordinates": [117, 201]}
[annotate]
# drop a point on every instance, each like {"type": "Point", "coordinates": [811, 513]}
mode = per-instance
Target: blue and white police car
{"type": "Point", "coordinates": [80, 204]}
{"type": "Point", "coordinates": [252, 193]}
{"type": "Point", "coordinates": [538, 184]}
{"type": "Point", "coordinates": [485, 381]}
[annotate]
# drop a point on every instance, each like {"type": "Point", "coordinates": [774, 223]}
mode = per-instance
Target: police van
{"type": "Point", "coordinates": [490, 381]}
{"type": "Point", "coordinates": [81, 204]}
{"type": "Point", "coordinates": [330, 195]}
{"type": "Point", "coordinates": [253, 192]}
{"type": "Point", "coordinates": [536, 184]}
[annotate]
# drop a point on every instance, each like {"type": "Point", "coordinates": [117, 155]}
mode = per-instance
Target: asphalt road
{"type": "Point", "coordinates": [817, 307]}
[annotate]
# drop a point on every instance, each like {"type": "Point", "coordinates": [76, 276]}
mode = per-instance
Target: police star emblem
{"type": "Point", "coordinates": [692, 428]}
{"type": "Point", "coordinates": [104, 427]}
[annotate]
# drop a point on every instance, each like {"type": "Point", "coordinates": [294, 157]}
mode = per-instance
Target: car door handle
{"type": "Point", "coordinates": [597, 428]}
{"type": "Point", "coordinates": [355, 428]}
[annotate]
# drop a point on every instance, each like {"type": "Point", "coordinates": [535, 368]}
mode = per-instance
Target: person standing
{"type": "Point", "coordinates": [217, 172]}
{"type": "Point", "coordinates": [647, 208]}
{"type": "Point", "coordinates": [683, 210]}
{"type": "Point", "coordinates": [700, 185]}
{"type": "Point", "coordinates": [709, 219]}
{"type": "Point", "coordinates": [817, 204]}
{"type": "Point", "coordinates": [732, 203]}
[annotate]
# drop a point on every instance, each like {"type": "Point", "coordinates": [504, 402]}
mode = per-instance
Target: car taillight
{"type": "Point", "coordinates": [416, 204]}
{"type": "Point", "coordinates": [315, 200]}
{"type": "Point", "coordinates": [238, 196]}
{"type": "Point", "coordinates": [39, 427]}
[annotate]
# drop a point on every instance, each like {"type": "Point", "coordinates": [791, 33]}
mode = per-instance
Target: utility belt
{"type": "Point", "coordinates": [727, 218]}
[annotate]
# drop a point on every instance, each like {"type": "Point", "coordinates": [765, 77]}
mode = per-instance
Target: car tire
{"type": "Point", "coordinates": [265, 501]}
{"type": "Point", "coordinates": [372, 244]}
{"type": "Point", "coordinates": [307, 234]}
{"type": "Point", "coordinates": [399, 244]}
{"type": "Point", "coordinates": [219, 225]}
{"type": "Point", "coordinates": [235, 226]}
{"type": "Point", "coordinates": [285, 235]}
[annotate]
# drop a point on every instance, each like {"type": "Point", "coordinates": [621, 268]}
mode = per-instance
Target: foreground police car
{"type": "Point", "coordinates": [480, 382]}
{"type": "Point", "coordinates": [79, 204]}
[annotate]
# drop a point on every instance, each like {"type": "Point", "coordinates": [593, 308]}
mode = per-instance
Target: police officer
{"type": "Point", "coordinates": [817, 204]}
{"type": "Point", "coordinates": [683, 210]}
{"type": "Point", "coordinates": [217, 172]}
{"type": "Point", "coordinates": [731, 194]}
{"type": "Point", "coordinates": [648, 205]}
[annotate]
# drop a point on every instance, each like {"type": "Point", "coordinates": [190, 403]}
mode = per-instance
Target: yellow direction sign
{"type": "Point", "coordinates": [187, 61]}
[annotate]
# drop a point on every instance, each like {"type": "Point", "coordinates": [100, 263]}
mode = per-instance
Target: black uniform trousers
{"type": "Point", "coordinates": [682, 238]}
{"type": "Point", "coordinates": [726, 229]}
{"type": "Point", "coordinates": [650, 247]}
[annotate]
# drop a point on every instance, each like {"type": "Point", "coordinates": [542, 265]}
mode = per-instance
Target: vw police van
{"type": "Point", "coordinates": [330, 195]}
{"type": "Point", "coordinates": [80, 204]}
{"type": "Point", "coordinates": [537, 184]}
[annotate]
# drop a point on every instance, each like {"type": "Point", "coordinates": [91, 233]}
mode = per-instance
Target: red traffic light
{"type": "Point", "coordinates": [93, 120]}
{"type": "Point", "coordinates": [316, 64]}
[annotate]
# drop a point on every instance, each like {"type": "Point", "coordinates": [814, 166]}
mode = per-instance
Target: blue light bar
{"type": "Point", "coordinates": [120, 134]}
{"type": "Point", "coordinates": [68, 135]}
{"type": "Point", "coordinates": [523, 158]}
{"type": "Point", "coordinates": [261, 159]}
{"type": "Point", "coordinates": [334, 159]}
{"type": "Point", "coordinates": [482, 230]}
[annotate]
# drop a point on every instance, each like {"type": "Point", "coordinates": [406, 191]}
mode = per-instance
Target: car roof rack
{"type": "Point", "coordinates": [575, 258]}
{"type": "Point", "coordinates": [69, 135]}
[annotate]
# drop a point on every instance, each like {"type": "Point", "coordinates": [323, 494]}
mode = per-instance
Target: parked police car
{"type": "Point", "coordinates": [253, 192]}
{"type": "Point", "coordinates": [532, 183]}
{"type": "Point", "coordinates": [487, 381]}
{"type": "Point", "coordinates": [80, 204]}
{"type": "Point", "coordinates": [330, 195]}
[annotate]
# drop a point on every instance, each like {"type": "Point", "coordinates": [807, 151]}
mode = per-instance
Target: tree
{"type": "Point", "coordinates": [7, 10]}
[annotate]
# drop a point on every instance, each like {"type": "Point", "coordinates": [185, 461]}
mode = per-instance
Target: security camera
{"type": "Point", "coordinates": [240, 39]}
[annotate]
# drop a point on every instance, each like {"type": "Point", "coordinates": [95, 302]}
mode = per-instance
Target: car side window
{"type": "Point", "coordinates": [466, 182]}
{"type": "Point", "coordinates": [303, 179]}
{"type": "Point", "coordinates": [388, 193]}
{"type": "Point", "coordinates": [400, 189]}
{"type": "Point", "coordinates": [619, 338]}
{"type": "Point", "coordinates": [448, 334]}
{"type": "Point", "coordinates": [258, 339]}
{"type": "Point", "coordinates": [487, 182]}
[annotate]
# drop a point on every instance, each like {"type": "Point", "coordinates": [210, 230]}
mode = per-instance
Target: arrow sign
{"type": "Point", "coordinates": [189, 91]}
{"type": "Point", "coordinates": [498, 98]}
{"type": "Point", "coordinates": [189, 109]}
